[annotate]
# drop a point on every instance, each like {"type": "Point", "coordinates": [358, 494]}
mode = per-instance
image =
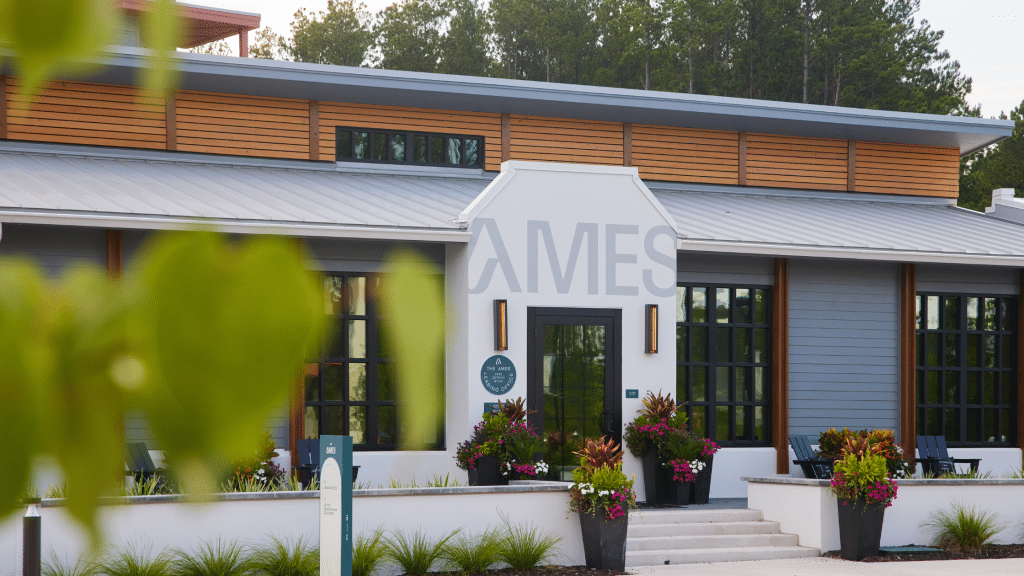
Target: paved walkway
{"type": "Point", "coordinates": [826, 566]}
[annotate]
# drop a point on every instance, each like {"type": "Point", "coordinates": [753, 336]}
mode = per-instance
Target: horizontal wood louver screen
{"type": "Point", "coordinates": [93, 114]}
{"type": "Point", "coordinates": [242, 125]}
{"type": "Point", "coordinates": [484, 124]}
{"type": "Point", "coordinates": [907, 169]}
{"type": "Point", "coordinates": [791, 162]}
{"type": "Point", "coordinates": [682, 155]}
{"type": "Point", "coordinates": [577, 142]}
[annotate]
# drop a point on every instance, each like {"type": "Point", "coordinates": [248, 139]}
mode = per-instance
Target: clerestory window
{"type": "Point", "coordinates": [405, 147]}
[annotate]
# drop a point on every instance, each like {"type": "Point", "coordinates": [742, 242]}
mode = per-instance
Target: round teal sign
{"type": "Point", "coordinates": [498, 374]}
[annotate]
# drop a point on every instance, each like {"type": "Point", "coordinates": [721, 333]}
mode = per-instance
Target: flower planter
{"type": "Point", "coordinates": [860, 528]}
{"type": "Point", "coordinates": [659, 487]}
{"type": "Point", "coordinates": [487, 473]}
{"type": "Point", "coordinates": [701, 491]}
{"type": "Point", "coordinates": [604, 541]}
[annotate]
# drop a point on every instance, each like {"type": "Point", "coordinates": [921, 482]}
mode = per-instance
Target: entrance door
{"type": "Point", "coordinates": [574, 379]}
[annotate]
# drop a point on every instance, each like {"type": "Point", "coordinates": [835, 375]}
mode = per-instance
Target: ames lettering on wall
{"type": "Point", "coordinates": [585, 236]}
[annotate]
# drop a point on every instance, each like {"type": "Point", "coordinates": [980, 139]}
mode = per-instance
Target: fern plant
{"type": "Point", "coordinates": [524, 546]}
{"type": "Point", "coordinates": [467, 554]}
{"type": "Point", "coordinates": [964, 528]}
{"type": "Point", "coordinates": [369, 552]}
{"type": "Point", "coordinates": [213, 558]}
{"type": "Point", "coordinates": [416, 553]}
{"type": "Point", "coordinates": [288, 557]}
{"type": "Point", "coordinates": [131, 560]}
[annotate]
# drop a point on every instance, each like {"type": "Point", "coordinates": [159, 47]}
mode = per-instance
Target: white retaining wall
{"type": "Point", "coordinates": [808, 509]}
{"type": "Point", "coordinates": [168, 521]}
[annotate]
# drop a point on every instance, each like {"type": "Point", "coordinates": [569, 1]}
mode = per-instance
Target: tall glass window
{"type": "Point", "coordinates": [723, 361]}
{"type": "Point", "coordinates": [967, 368]}
{"type": "Point", "coordinates": [351, 391]}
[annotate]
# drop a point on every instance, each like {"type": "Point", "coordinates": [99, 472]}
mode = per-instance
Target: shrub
{"type": "Point", "coordinates": [473, 554]}
{"type": "Point", "coordinates": [368, 553]}
{"type": "Point", "coordinates": [52, 566]}
{"type": "Point", "coordinates": [259, 468]}
{"type": "Point", "coordinates": [865, 477]}
{"type": "Point", "coordinates": [599, 481]}
{"type": "Point", "coordinates": [963, 528]}
{"type": "Point", "coordinates": [285, 558]}
{"type": "Point", "coordinates": [416, 553]}
{"type": "Point", "coordinates": [216, 558]}
{"type": "Point", "coordinates": [523, 547]}
{"type": "Point", "coordinates": [129, 560]}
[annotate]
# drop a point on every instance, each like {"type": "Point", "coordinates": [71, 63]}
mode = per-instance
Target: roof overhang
{"type": "Point", "coordinates": [447, 92]}
{"type": "Point", "coordinates": [201, 24]}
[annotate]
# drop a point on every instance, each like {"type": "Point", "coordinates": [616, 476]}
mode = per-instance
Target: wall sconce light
{"type": "Point", "coordinates": [651, 332]}
{"type": "Point", "coordinates": [501, 324]}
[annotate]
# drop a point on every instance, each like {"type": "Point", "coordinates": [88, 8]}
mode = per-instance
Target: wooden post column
{"type": "Point", "coordinates": [908, 358]}
{"type": "Point", "coordinates": [627, 144]}
{"type": "Point", "coordinates": [115, 254]}
{"type": "Point", "coordinates": [780, 365]}
{"type": "Point", "coordinates": [506, 137]}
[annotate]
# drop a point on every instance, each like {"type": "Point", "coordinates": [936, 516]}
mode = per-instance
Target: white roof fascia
{"type": "Point", "coordinates": [789, 250]}
{"type": "Point", "coordinates": [232, 226]}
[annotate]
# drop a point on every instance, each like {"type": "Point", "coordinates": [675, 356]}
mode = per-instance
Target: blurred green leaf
{"type": "Point", "coordinates": [161, 30]}
{"type": "Point", "coordinates": [85, 404]}
{"type": "Point", "coordinates": [415, 322]}
{"type": "Point", "coordinates": [24, 360]}
{"type": "Point", "coordinates": [226, 332]}
{"type": "Point", "coordinates": [47, 37]}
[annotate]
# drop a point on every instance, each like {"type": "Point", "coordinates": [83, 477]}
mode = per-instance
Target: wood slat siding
{"type": "Point", "coordinates": [242, 125]}
{"type": "Point", "coordinates": [843, 346]}
{"type": "Point", "coordinates": [683, 155]}
{"type": "Point", "coordinates": [907, 169]}
{"type": "Point", "coordinates": [556, 140]}
{"type": "Point", "coordinates": [333, 114]}
{"type": "Point", "coordinates": [790, 162]}
{"type": "Point", "coordinates": [82, 113]}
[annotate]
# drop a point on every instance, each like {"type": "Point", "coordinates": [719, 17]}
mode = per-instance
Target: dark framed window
{"type": "Point", "coordinates": [351, 390]}
{"type": "Point", "coordinates": [403, 147]}
{"type": "Point", "coordinates": [967, 368]}
{"type": "Point", "coordinates": [723, 361]}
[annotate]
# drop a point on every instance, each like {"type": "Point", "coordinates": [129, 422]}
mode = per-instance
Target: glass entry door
{"type": "Point", "coordinates": [574, 382]}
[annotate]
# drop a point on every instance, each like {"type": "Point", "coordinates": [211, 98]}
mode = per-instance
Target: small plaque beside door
{"type": "Point", "coordinates": [632, 393]}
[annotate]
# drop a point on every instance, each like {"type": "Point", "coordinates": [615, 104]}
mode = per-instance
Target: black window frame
{"type": "Point", "coordinates": [685, 364]}
{"type": "Point", "coordinates": [334, 351]}
{"type": "Point", "coordinates": [932, 395]}
{"type": "Point", "coordinates": [409, 135]}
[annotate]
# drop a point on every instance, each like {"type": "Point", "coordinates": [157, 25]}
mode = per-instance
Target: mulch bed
{"type": "Point", "coordinates": [990, 551]}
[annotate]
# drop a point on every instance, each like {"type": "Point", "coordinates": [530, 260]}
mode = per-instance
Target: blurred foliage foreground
{"type": "Point", "coordinates": [202, 336]}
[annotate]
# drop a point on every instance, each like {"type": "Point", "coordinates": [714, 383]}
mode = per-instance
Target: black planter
{"type": "Point", "coordinates": [701, 491]}
{"type": "Point", "coordinates": [486, 473]}
{"type": "Point", "coordinates": [604, 541]}
{"type": "Point", "coordinates": [659, 487]}
{"type": "Point", "coordinates": [860, 528]}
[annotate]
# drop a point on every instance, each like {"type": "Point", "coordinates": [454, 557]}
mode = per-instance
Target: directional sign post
{"type": "Point", "coordinates": [336, 506]}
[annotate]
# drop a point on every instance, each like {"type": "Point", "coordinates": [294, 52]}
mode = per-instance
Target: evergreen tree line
{"type": "Point", "coordinates": [854, 53]}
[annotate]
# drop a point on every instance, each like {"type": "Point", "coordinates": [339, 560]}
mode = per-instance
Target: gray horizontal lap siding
{"type": "Point", "coordinates": [843, 346]}
{"type": "Point", "coordinates": [698, 268]}
{"type": "Point", "coordinates": [968, 280]}
{"type": "Point", "coordinates": [54, 248]}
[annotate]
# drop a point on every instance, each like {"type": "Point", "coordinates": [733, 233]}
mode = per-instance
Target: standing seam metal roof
{"type": "Point", "coordinates": [56, 184]}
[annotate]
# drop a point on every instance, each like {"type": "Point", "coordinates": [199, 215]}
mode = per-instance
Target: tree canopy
{"type": "Point", "coordinates": [856, 53]}
{"type": "Point", "coordinates": [1001, 166]}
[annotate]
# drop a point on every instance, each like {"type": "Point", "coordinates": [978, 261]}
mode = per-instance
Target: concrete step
{"type": "Point", "coordinates": [661, 557]}
{"type": "Point", "coordinates": [702, 529]}
{"type": "Point", "coordinates": [676, 543]}
{"type": "Point", "coordinates": [687, 516]}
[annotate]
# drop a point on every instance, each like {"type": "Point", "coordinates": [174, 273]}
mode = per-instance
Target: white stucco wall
{"type": "Point", "coordinates": [808, 509]}
{"type": "Point", "coordinates": [159, 523]}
